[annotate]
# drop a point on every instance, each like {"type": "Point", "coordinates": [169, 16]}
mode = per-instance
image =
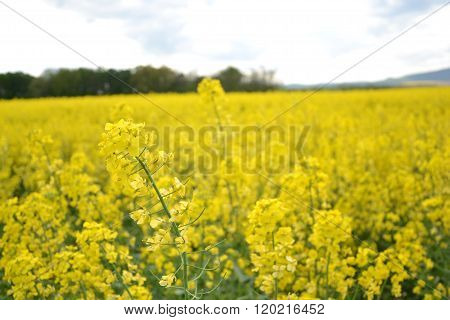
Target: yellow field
{"type": "Point", "coordinates": [346, 196]}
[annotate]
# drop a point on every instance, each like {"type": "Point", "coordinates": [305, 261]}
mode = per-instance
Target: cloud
{"type": "Point", "coordinates": [304, 41]}
{"type": "Point", "coordinates": [394, 16]}
{"type": "Point", "coordinates": [155, 24]}
{"type": "Point", "coordinates": [396, 8]}
{"type": "Point", "coordinates": [236, 51]}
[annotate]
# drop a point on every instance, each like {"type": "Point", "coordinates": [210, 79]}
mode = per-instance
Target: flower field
{"type": "Point", "coordinates": [215, 196]}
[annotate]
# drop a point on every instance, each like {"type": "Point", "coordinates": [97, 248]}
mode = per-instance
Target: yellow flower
{"type": "Point", "coordinates": [210, 89]}
{"type": "Point", "coordinates": [139, 216]}
{"type": "Point", "coordinates": [121, 138]}
{"type": "Point", "coordinates": [168, 280]}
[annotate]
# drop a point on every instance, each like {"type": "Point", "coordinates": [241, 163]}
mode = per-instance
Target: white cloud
{"type": "Point", "coordinates": [26, 48]}
{"type": "Point", "coordinates": [304, 41]}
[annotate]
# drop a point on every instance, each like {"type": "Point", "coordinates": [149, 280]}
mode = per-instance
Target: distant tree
{"type": "Point", "coordinates": [117, 86]}
{"type": "Point", "coordinates": [182, 83]}
{"type": "Point", "coordinates": [150, 79]}
{"type": "Point", "coordinates": [83, 81]}
{"type": "Point", "coordinates": [38, 87]}
{"type": "Point", "coordinates": [261, 80]}
{"type": "Point", "coordinates": [231, 78]}
{"type": "Point", "coordinates": [14, 85]}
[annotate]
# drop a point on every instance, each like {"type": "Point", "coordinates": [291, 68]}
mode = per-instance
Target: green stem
{"type": "Point", "coordinates": [37, 290]}
{"type": "Point", "coordinates": [382, 289]}
{"type": "Point", "coordinates": [185, 274]}
{"type": "Point", "coordinates": [276, 280]}
{"type": "Point", "coordinates": [216, 111]}
{"type": "Point", "coordinates": [174, 226]}
{"type": "Point", "coordinates": [326, 279]}
{"type": "Point", "coordinates": [355, 294]}
{"type": "Point", "coordinates": [83, 290]}
{"type": "Point", "coordinates": [118, 274]}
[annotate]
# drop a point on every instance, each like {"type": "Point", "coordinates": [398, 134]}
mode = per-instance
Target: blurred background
{"type": "Point", "coordinates": [168, 46]}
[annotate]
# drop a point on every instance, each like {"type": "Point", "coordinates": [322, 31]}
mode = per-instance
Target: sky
{"type": "Point", "coordinates": [305, 42]}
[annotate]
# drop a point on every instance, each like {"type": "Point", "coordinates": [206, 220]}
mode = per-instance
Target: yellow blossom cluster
{"type": "Point", "coordinates": [103, 198]}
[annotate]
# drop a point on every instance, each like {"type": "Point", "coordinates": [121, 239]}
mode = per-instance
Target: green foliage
{"type": "Point", "coordinates": [83, 81]}
{"type": "Point", "coordinates": [14, 85]}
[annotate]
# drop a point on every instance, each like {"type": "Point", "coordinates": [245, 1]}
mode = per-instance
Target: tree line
{"type": "Point", "coordinates": [83, 81]}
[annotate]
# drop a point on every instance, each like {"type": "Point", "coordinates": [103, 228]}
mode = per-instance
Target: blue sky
{"type": "Point", "coordinates": [304, 41]}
